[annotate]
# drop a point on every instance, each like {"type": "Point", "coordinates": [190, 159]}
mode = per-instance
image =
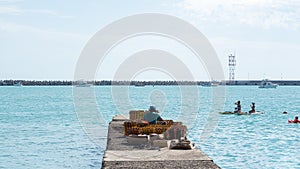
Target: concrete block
{"type": "Point", "coordinates": [160, 143]}
{"type": "Point", "coordinates": [136, 140]}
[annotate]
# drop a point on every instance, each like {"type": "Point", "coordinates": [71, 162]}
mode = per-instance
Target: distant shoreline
{"type": "Point", "coordinates": [144, 83]}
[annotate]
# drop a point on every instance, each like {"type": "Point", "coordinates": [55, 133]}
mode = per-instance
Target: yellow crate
{"type": "Point", "coordinates": [132, 127]}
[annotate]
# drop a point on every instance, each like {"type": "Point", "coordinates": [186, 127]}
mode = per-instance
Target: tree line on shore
{"type": "Point", "coordinates": [137, 83]}
{"type": "Point", "coordinates": [96, 83]}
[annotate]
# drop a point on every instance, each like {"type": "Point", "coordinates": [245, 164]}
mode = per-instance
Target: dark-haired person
{"type": "Point", "coordinates": [296, 120]}
{"type": "Point", "coordinates": [252, 108]}
{"type": "Point", "coordinates": [238, 108]}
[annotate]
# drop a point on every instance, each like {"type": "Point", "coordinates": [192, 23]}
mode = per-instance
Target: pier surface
{"type": "Point", "coordinates": [120, 154]}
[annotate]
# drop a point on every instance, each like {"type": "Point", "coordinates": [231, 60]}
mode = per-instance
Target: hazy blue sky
{"type": "Point", "coordinates": [43, 39]}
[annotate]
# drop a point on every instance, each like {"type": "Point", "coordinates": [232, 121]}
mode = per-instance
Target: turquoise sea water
{"type": "Point", "coordinates": [40, 127]}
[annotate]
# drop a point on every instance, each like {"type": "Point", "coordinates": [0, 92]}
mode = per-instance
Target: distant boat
{"type": "Point", "coordinates": [18, 84]}
{"type": "Point", "coordinates": [139, 84]}
{"type": "Point", "coordinates": [267, 84]}
{"type": "Point", "coordinates": [211, 84]}
{"type": "Point", "coordinates": [82, 83]}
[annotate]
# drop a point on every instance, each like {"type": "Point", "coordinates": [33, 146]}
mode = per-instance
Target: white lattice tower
{"type": "Point", "coordinates": [231, 64]}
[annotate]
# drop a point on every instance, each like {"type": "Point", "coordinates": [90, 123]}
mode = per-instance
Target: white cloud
{"type": "Point", "coordinates": [48, 12]}
{"type": "Point", "coordinates": [261, 13]}
{"type": "Point", "coordinates": [44, 33]}
{"type": "Point", "coordinates": [10, 1]}
{"type": "Point", "coordinates": [14, 10]}
{"type": "Point", "coordinates": [10, 10]}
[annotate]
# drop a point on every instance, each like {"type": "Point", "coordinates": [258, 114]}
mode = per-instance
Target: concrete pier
{"type": "Point", "coordinates": [120, 154]}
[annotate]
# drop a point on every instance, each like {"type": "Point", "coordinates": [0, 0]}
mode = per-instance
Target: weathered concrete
{"type": "Point", "coordinates": [120, 154]}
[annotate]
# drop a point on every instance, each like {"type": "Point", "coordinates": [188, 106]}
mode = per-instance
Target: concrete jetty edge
{"type": "Point", "coordinates": [120, 154]}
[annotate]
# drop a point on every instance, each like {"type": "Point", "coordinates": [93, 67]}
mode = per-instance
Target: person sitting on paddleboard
{"type": "Point", "coordinates": [252, 108]}
{"type": "Point", "coordinates": [238, 107]}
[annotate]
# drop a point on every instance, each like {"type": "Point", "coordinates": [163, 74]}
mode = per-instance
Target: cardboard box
{"type": "Point", "coordinates": [136, 114]}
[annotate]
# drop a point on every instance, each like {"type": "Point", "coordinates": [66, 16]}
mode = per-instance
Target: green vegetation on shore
{"type": "Point", "coordinates": [139, 83]}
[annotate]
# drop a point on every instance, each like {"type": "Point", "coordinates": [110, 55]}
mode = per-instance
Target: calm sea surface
{"type": "Point", "coordinates": [40, 127]}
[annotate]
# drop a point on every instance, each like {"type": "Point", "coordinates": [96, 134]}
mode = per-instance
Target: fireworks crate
{"type": "Point", "coordinates": [134, 131]}
{"type": "Point", "coordinates": [139, 127]}
{"type": "Point", "coordinates": [157, 128]}
{"type": "Point", "coordinates": [169, 122]}
{"type": "Point", "coordinates": [128, 125]}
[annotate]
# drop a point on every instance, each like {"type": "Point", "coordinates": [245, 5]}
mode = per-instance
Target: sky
{"type": "Point", "coordinates": [42, 40]}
